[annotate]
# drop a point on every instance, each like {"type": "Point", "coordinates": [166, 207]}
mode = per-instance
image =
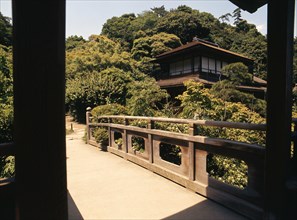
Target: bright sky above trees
{"type": "Point", "coordinates": [86, 17]}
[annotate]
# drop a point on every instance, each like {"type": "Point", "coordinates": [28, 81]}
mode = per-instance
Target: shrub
{"type": "Point", "coordinates": [109, 109]}
{"type": "Point", "coordinates": [101, 135]}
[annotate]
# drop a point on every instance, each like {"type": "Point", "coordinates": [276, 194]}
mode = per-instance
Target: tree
{"type": "Point", "coordinates": [197, 102]}
{"type": "Point", "coordinates": [226, 90]}
{"type": "Point", "coordinates": [96, 88]}
{"type": "Point", "coordinates": [6, 94]}
{"type": "Point", "coordinates": [154, 45]}
{"type": "Point", "coordinates": [237, 73]}
{"type": "Point", "coordinates": [183, 24]}
{"type": "Point", "coordinates": [160, 11]}
{"type": "Point", "coordinates": [118, 28]}
{"type": "Point", "coordinates": [6, 108]}
{"type": "Point", "coordinates": [144, 97]}
{"type": "Point", "coordinates": [225, 17]}
{"type": "Point", "coordinates": [5, 31]}
{"type": "Point", "coordinates": [237, 16]}
{"type": "Point", "coordinates": [146, 48]}
{"type": "Point", "coordinates": [74, 41]}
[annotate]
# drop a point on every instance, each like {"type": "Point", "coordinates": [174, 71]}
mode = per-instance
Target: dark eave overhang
{"type": "Point", "coordinates": [249, 5]}
{"type": "Point", "coordinates": [201, 48]}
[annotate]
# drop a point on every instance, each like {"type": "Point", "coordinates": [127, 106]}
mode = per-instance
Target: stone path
{"type": "Point", "coordinates": [104, 186]}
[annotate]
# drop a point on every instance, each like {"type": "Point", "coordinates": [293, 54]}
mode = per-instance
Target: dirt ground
{"type": "Point", "coordinates": [76, 126]}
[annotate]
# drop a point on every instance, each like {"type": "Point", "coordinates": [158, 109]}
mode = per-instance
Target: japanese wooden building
{"type": "Point", "coordinates": [201, 61]}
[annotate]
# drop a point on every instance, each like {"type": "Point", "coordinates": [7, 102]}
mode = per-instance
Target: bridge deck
{"type": "Point", "coordinates": [104, 186]}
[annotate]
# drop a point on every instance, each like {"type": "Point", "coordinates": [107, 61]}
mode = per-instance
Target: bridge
{"type": "Point", "coordinates": [102, 185]}
{"type": "Point", "coordinates": [191, 169]}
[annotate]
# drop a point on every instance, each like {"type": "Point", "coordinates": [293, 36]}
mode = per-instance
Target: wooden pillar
{"type": "Point", "coordinates": [39, 114]}
{"type": "Point", "coordinates": [279, 105]}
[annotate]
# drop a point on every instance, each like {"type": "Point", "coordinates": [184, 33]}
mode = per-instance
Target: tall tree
{"type": "Point", "coordinates": [183, 24]}
{"type": "Point", "coordinates": [237, 16]}
{"type": "Point", "coordinates": [160, 11]}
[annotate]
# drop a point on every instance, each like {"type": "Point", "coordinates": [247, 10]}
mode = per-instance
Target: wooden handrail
{"type": "Point", "coordinates": [7, 149]}
{"type": "Point", "coordinates": [226, 124]}
{"type": "Point", "coordinates": [218, 142]}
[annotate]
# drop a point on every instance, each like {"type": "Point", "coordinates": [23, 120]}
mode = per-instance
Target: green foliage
{"type": "Point", "coordinates": [184, 23]}
{"type": "Point", "coordinates": [74, 41]}
{"type": "Point", "coordinates": [101, 135]}
{"type": "Point", "coordinates": [96, 88]}
{"type": "Point", "coordinates": [7, 166]}
{"type": "Point", "coordinates": [151, 46]}
{"type": "Point", "coordinates": [6, 123]}
{"type": "Point", "coordinates": [5, 31]}
{"type": "Point", "coordinates": [253, 45]}
{"type": "Point", "coordinates": [6, 107]}
{"type": "Point", "coordinates": [227, 91]}
{"type": "Point", "coordinates": [99, 72]}
{"type": "Point", "coordinates": [237, 73]}
{"type": "Point", "coordinates": [159, 11]}
{"type": "Point", "coordinates": [237, 16]}
{"type": "Point", "coordinates": [109, 109]}
{"type": "Point", "coordinates": [199, 103]}
{"type": "Point", "coordinates": [145, 48]}
{"type": "Point", "coordinates": [138, 144]}
{"type": "Point", "coordinates": [144, 97]}
{"type": "Point", "coordinates": [6, 94]}
{"type": "Point", "coordinates": [228, 170]}
{"type": "Point", "coordinates": [6, 89]}
{"type": "Point", "coordinates": [120, 28]}
{"type": "Point", "coordinates": [170, 153]}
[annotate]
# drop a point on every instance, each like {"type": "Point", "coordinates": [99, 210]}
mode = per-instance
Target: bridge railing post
{"type": "Point", "coordinates": [125, 137]}
{"type": "Point", "coordinates": [109, 121]}
{"type": "Point", "coordinates": [151, 125]}
{"type": "Point", "coordinates": [192, 131]}
{"type": "Point", "coordinates": [88, 115]}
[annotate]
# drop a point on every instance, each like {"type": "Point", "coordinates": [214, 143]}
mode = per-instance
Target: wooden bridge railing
{"type": "Point", "coordinates": [192, 172]}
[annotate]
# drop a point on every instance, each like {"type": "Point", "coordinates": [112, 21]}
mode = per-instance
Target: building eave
{"type": "Point", "coordinates": [197, 45]}
{"type": "Point", "coordinates": [249, 5]}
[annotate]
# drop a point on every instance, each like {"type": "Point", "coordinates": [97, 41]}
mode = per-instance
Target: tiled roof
{"type": "Point", "coordinates": [198, 43]}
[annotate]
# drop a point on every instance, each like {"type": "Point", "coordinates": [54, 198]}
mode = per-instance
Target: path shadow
{"type": "Point", "coordinates": [73, 211]}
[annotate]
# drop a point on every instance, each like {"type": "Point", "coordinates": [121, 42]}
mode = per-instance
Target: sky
{"type": "Point", "coordinates": [86, 17]}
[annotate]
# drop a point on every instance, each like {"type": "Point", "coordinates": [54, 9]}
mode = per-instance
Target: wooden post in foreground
{"type": "Point", "coordinates": [279, 107]}
{"type": "Point", "coordinates": [39, 109]}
